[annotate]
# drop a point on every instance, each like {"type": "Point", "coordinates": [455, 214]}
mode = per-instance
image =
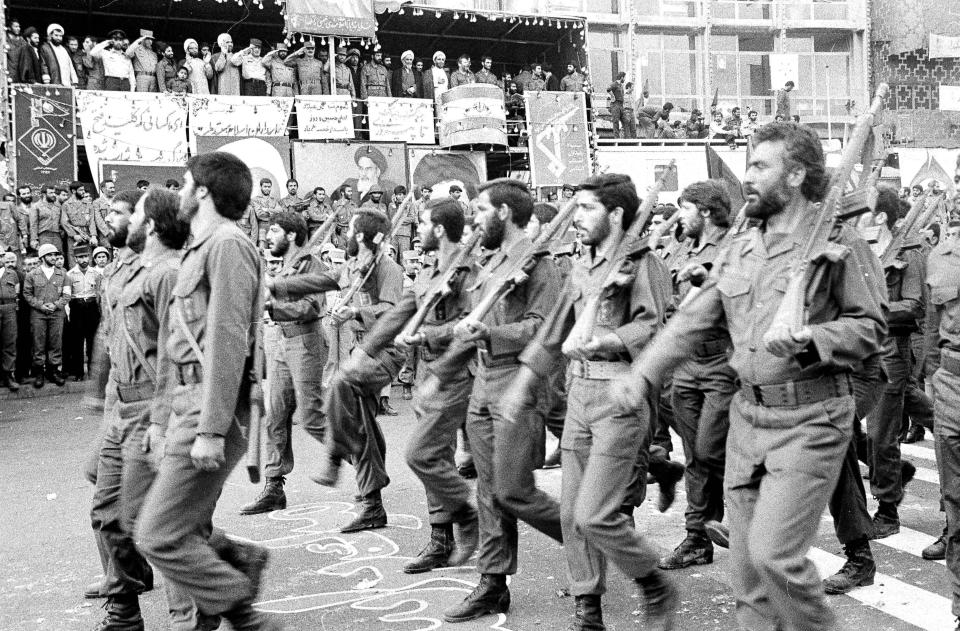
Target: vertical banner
{"type": "Point", "coordinates": [559, 139]}
{"type": "Point", "coordinates": [473, 114]}
{"type": "Point", "coordinates": [44, 128]}
{"type": "Point", "coordinates": [133, 127]}
{"type": "Point", "coordinates": [219, 115]}
{"type": "Point", "coordinates": [324, 117]}
{"type": "Point", "coordinates": [400, 120]}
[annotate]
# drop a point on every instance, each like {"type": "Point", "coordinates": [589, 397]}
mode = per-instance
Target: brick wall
{"type": "Point", "coordinates": [914, 83]}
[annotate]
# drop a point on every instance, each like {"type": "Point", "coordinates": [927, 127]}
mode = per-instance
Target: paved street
{"type": "Point", "coordinates": [319, 579]}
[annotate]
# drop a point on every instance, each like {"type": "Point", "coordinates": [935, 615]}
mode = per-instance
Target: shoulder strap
{"type": "Point", "coordinates": [141, 356]}
{"type": "Point", "coordinates": [181, 322]}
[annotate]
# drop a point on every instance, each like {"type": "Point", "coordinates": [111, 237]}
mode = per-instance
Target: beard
{"type": "Point", "coordinates": [26, 200]}
{"type": "Point", "coordinates": [429, 242]}
{"type": "Point", "coordinates": [599, 232]}
{"type": "Point", "coordinates": [188, 209]}
{"type": "Point", "coordinates": [694, 230]}
{"type": "Point", "coordinates": [280, 248]}
{"type": "Point", "coordinates": [137, 239]}
{"type": "Point", "coordinates": [353, 248]}
{"type": "Point", "coordinates": [118, 237]}
{"type": "Point", "coordinates": [767, 204]}
{"type": "Point", "coordinates": [493, 231]}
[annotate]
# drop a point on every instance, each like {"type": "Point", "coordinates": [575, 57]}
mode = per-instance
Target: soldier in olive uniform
{"type": "Point", "coordinates": [343, 75]}
{"type": "Point", "coordinates": [10, 282]}
{"type": "Point", "coordinates": [791, 421]}
{"type": "Point", "coordinates": [45, 219]}
{"type": "Point", "coordinates": [311, 73]}
{"type": "Point", "coordinates": [282, 78]}
{"type": "Point", "coordinates": [375, 78]}
{"type": "Point", "coordinates": [47, 290]}
{"type": "Point", "coordinates": [77, 221]}
{"type": "Point", "coordinates": [265, 207]}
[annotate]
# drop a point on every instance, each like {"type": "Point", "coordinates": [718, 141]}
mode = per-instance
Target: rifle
{"type": "Point", "coordinates": [792, 312]}
{"type": "Point", "coordinates": [625, 250]}
{"type": "Point", "coordinates": [518, 272]}
{"type": "Point", "coordinates": [366, 270]}
{"type": "Point", "coordinates": [919, 214]}
{"type": "Point", "coordinates": [442, 287]}
{"type": "Point", "coordinates": [321, 233]}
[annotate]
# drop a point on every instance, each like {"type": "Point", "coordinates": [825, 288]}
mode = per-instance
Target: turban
{"type": "Point", "coordinates": [187, 42]}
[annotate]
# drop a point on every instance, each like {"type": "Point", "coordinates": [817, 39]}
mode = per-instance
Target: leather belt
{"type": "Point", "coordinates": [188, 374]}
{"type": "Point", "coordinates": [145, 73]}
{"type": "Point", "coordinates": [134, 392]}
{"type": "Point", "coordinates": [490, 361]}
{"type": "Point", "coordinates": [90, 299]}
{"type": "Point", "coordinates": [950, 361]}
{"type": "Point", "coordinates": [598, 370]}
{"type": "Point", "coordinates": [712, 347]}
{"type": "Point", "coordinates": [793, 393]}
{"type": "Point", "coordinates": [8, 301]}
{"type": "Point", "coordinates": [284, 85]}
{"type": "Point", "coordinates": [294, 329]}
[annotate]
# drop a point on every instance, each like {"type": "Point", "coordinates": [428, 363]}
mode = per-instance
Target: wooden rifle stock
{"type": "Point", "coordinates": [441, 287]}
{"type": "Point", "coordinates": [626, 248]}
{"type": "Point", "coordinates": [321, 233]}
{"type": "Point", "coordinates": [517, 273]}
{"type": "Point", "coordinates": [923, 207]}
{"type": "Point", "coordinates": [367, 270]}
{"type": "Point", "coordinates": [792, 312]}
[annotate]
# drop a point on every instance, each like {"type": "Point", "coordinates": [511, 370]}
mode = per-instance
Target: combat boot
{"type": "Point", "coordinates": [667, 478]}
{"type": "Point", "coordinates": [490, 596]}
{"type": "Point", "coordinates": [466, 530]}
{"type": "Point", "coordinates": [371, 517]}
{"type": "Point", "coordinates": [696, 549]}
{"type": "Point", "coordinates": [936, 551]}
{"type": "Point", "coordinates": [123, 614]}
{"type": "Point", "coordinates": [886, 522]}
{"type": "Point", "coordinates": [7, 380]}
{"type": "Point", "coordinates": [271, 498]}
{"type": "Point", "coordinates": [436, 553]}
{"type": "Point", "coordinates": [38, 379]}
{"type": "Point", "coordinates": [587, 615]}
{"type": "Point", "coordinates": [858, 571]}
{"type": "Point", "coordinates": [718, 533]}
{"type": "Point", "coordinates": [662, 600]}
{"type": "Point", "coordinates": [57, 377]}
{"type": "Point", "coordinates": [246, 618]}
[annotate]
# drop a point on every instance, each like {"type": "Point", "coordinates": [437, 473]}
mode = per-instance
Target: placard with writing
{"type": "Point", "coordinates": [324, 117]}
{"type": "Point", "coordinates": [559, 139]}
{"type": "Point", "coordinates": [220, 115]}
{"type": "Point", "coordinates": [401, 120]}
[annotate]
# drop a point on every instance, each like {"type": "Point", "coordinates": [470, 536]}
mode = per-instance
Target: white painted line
{"type": "Point", "coordinates": [893, 597]}
{"type": "Point", "coordinates": [918, 451]}
{"type": "Point", "coordinates": [909, 541]}
{"type": "Point", "coordinates": [927, 475]}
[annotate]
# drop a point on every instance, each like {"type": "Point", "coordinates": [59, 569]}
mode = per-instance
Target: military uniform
{"type": "Point", "coordinates": [292, 203]}
{"type": "Point", "coordinates": [45, 221]}
{"type": "Point", "coordinates": [316, 213]}
{"type": "Point", "coordinates": [572, 83]}
{"type": "Point", "coordinates": [459, 77]}
{"type": "Point", "coordinates": [98, 224]}
{"type": "Point", "coordinates": [791, 421]}
{"type": "Point", "coordinates": [701, 390]}
{"type": "Point", "coordinates": [485, 76]}
{"type": "Point", "coordinates": [942, 328]}
{"type": "Point", "coordinates": [144, 67]}
{"type": "Point", "coordinates": [599, 444]}
{"type": "Point", "coordinates": [344, 80]}
{"type": "Point", "coordinates": [312, 76]}
{"type": "Point", "coordinates": [83, 321]}
{"type": "Point", "coordinates": [78, 219]}
{"type": "Point", "coordinates": [13, 229]}
{"type": "Point", "coordinates": [265, 207]}
{"type": "Point", "coordinates": [9, 293]}
{"type": "Point", "coordinates": [250, 225]}
{"type": "Point", "coordinates": [374, 81]}
{"type": "Point", "coordinates": [216, 305]}
{"type": "Point", "coordinates": [283, 78]}
{"type": "Point", "coordinates": [47, 328]}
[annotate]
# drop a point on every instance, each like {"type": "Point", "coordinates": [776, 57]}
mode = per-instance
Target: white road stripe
{"type": "Point", "coordinates": [918, 451]}
{"type": "Point", "coordinates": [893, 597]}
{"type": "Point", "coordinates": [909, 541]}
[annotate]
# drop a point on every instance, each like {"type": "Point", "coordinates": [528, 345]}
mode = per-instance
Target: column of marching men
{"type": "Point", "coordinates": [504, 331]}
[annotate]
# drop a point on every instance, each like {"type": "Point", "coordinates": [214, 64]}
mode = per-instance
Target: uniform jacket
{"type": "Point", "coordinates": [13, 228]}
{"type": "Point", "coordinates": [307, 308]}
{"type": "Point", "coordinates": [10, 282]}
{"type": "Point", "coordinates": [942, 326]}
{"type": "Point", "coordinates": [374, 81]}
{"type": "Point", "coordinates": [38, 290]}
{"type": "Point", "coordinates": [44, 217]}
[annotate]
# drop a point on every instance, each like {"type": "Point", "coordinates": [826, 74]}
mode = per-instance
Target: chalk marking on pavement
{"type": "Point", "coordinates": [893, 597]}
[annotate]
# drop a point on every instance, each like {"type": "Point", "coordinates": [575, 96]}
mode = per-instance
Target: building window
{"type": "Point", "coordinates": [824, 67]}
{"type": "Point", "coordinates": [667, 8]}
{"type": "Point", "coordinates": [740, 69]}
{"type": "Point", "coordinates": [606, 57]}
{"type": "Point", "coordinates": [669, 66]}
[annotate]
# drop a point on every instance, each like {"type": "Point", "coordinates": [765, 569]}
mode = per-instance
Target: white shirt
{"type": "Point", "coordinates": [84, 283]}
{"type": "Point", "coordinates": [67, 72]}
{"type": "Point", "coordinates": [439, 82]}
{"type": "Point", "coordinates": [47, 271]}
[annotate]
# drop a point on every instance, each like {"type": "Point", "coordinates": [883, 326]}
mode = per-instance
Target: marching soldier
{"type": "Point", "coordinates": [375, 78]}
{"type": "Point", "coordinates": [791, 421]}
{"type": "Point", "coordinates": [600, 444]}
{"type": "Point", "coordinates": [214, 314]}
{"type": "Point", "coordinates": [703, 386]}
{"type": "Point", "coordinates": [295, 368]}
{"type": "Point", "coordinates": [47, 290]}
{"type": "Point", "coordinates": [505, 454]}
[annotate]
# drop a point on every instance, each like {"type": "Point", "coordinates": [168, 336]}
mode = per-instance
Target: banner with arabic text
{"type": "Point", "coordinates": [943, 46]}
{"type": "Point", "coordinates": [324, 117]}
{"type": "Point", "coordinates": [133, 127]}
{"type": "Point", "coordinates": [559, 139]}
{"type": "Point", "coordinates": [473, 114]}
{"type": "Point", "coordinates": [331, 17]}
{"type": "Point", "coordinates": [44, 129]}
{"type": "Point", "coordinates": [401, 120]}
{"type": "Point", "coordinates": [221, 115]}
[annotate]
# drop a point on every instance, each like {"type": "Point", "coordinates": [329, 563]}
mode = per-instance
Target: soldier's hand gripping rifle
{"type": "Point", "coordinates": [366, 270]}
{"type": "Point", "coordinates": [919, 215]}
{"type": "Point", "coordinates": [625, 251]}
{"type": "Point", "coordinates": [791, 315]}
{"type": "Point", "coordinates": [441, 287]}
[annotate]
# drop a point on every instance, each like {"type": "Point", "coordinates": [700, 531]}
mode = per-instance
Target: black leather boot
{"type": "Point", "coordinates": [490, 596]}
{"type": "Point", "coordinates": [662, 600]}
{"type": "Point", "coordinates": [372, 515]}
{"type": "Point", "coordinates": [57, 377]}
{"type": "Point", "coordinates": [696, 549]}
{"type": "Point", "coordinates": [587, 616]}
{"type": "Point", "coordinates": [38, 378]}
{"type": "Point", "coordinates": [9, 381]}
{"type": "Point", "coordinates": [859, 570]}
{"type": "Point", "coordinates": [936, 551]}
{"type": "Point", "coordinates": [436, 553]}
{"type": "Point", "coordinates": [886, 521]}
{"type": "Point", "coordinates": [123, 614]}
{"type": "Point", "coordinates": [271, 498]}
{"type": "Point", "coordinates": [667, 478]}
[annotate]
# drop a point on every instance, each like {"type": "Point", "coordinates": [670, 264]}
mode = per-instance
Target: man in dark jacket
{"type": "Point", "coordinates": [56, 66]}
{"type": "Point", "coordinates": [29, 68]}
{"type": "Point", "coordinates": [406, 79]}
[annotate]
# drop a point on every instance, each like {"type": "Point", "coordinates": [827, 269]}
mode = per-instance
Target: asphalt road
{"type": "Point", "coordinates": [319, 579]}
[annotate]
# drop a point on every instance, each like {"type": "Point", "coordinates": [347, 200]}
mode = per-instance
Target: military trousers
{"type": "Point", "coordinates": [126, 571]}
{"type": "Point", "coordinates": [174, 530]}
{"type": "Point", "coordinates": [599, 459]}
{"type": "Point", "coordinates": [883, 427]}
{"type": "Point", "coordinates": [506, 454]}
{"type": "Point", "coordinates": [557, 389]}
{"type": "Point", "coordinates": [295, 375]}
{"type": "Point", "coordinates": [8, 337]}
{"type": "Point", "coordinates": [782, 466]}
{"type": "Point", "coordinates": [351, 411]}
{"type": "Point", "coordinates": [47, 330]}
{"type": "Point", "coordinates": [946, 409]}
{"type": "Point", "coordinates": [700, 397]}
{"type": "Point", "coordinates": [79, 335]}
{"type": "Point", "coordinates": [431, 447]}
